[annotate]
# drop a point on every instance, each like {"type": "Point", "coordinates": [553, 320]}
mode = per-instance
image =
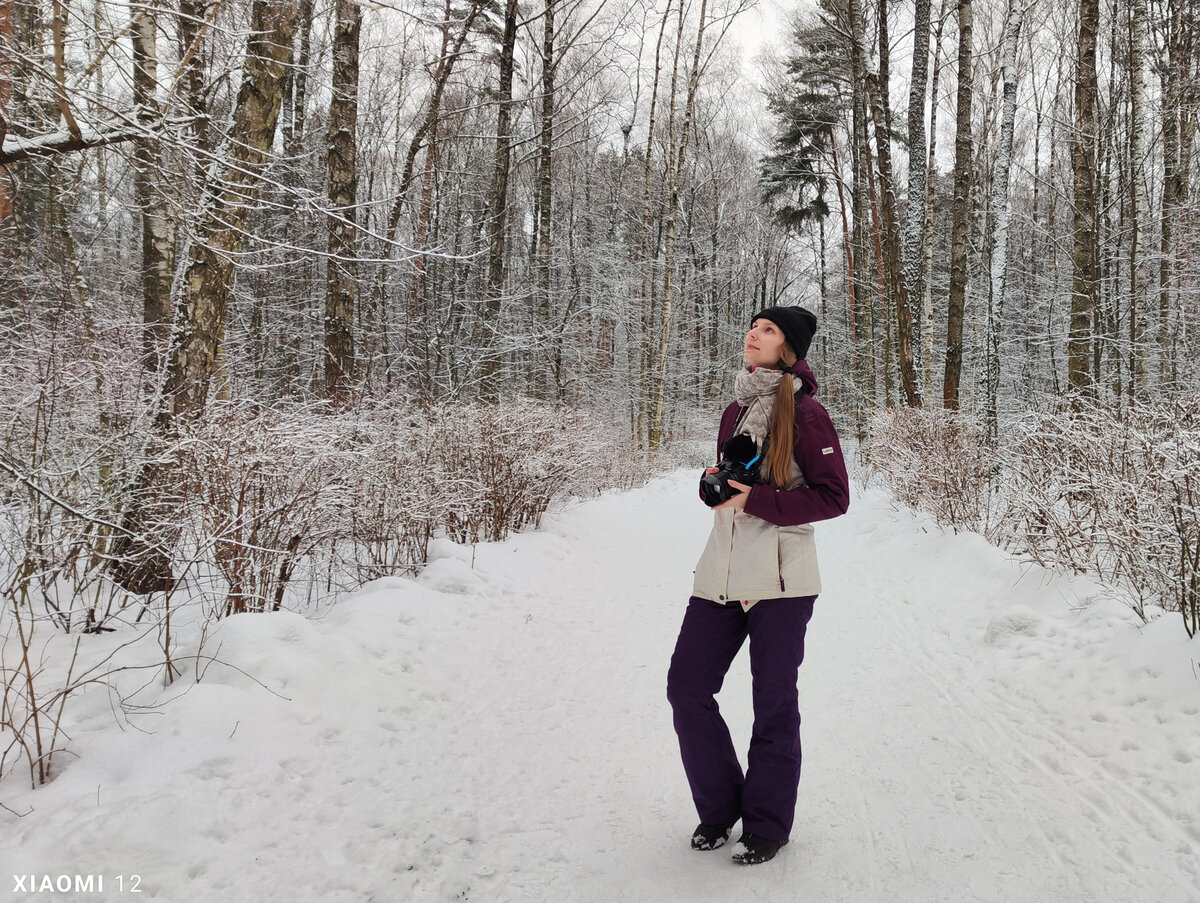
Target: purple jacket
{"type": "Point", "coordinates": [817, 451]}
{"type": "Point", "coordinates": [768, 549]}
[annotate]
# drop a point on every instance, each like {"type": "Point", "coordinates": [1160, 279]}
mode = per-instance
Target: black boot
{"type": "Point", "coordinates": [752, 849]}
{"type": "Point", "coordinates": [709, 837]}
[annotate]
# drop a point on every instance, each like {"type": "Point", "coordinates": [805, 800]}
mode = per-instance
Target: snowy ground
{"type": "Point", "coordinates": [974, 730]}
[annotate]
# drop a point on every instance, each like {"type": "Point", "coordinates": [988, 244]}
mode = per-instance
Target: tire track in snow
{"type": "Point", "coordinates": [1037, 765]}
{"type": "Point", "coordinates": [1058, 757]}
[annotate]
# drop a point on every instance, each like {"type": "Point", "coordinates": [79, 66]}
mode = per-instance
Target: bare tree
{"type": "Point", "coordinates": [898, 283]}
{"type": "Point", "coordinates": [914, 234]}
{"type": "Point", "coordinates": [140, 563]}
{"type": "Point", "coordinates": [1137, 200]}
{"type": "Point", "coordinates": [497, 223]}
{"type": "Point", "coordinates": [6, 65]}
{"type": "Point", "coordinates": [341, 273]}
{"type": "Point", "coordinates": [157, 232]}
{"type": "Point", "coordinates": [963, 161]}
{"type": "Point", "coordinates": [1085, 280]}
{"type": "Point", "coordinates": [1000, 195]}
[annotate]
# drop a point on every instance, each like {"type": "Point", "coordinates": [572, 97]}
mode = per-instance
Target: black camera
{"type": "Point", "coordinates": [740, 461]}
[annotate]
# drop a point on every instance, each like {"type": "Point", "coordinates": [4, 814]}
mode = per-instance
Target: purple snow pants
{"type": "Point", "coordinates": [711, 635]}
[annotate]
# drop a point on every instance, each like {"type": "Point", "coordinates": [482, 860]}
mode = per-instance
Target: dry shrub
{"type": "Point", "coordinates": [476, 471]}
{"type": "Point", "coordinates": [936, 461]}
{"type": "Point", "coordinates": [395, 513]}
{"type": "Point", "coordinates": [501, 465]}
{"type": "Point", "coordinates": [1086, 488]}
{"type": "Point", "coordinates": [1116, 494]}
{"type": "Point", "coordinates": [263, 490]}
{"type": "Point", "coordinates": [245, 502]}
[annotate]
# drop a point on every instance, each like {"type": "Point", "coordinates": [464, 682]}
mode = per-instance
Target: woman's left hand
{"type": "Point", "coordinates": [736, 501]}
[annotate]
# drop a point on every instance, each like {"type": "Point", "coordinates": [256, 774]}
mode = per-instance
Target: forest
{"type": "Point", "coordinates": [290, 289]}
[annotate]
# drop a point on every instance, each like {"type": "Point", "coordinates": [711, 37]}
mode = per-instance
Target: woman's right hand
{"type": "Point", "coordinates": [710, 470]}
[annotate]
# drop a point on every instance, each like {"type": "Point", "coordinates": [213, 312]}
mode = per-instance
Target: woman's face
{"type": "Point", "coordinates": [764, 344]}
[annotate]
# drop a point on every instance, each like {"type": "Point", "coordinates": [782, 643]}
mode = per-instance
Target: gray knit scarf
{"type": "Point", "coordinates": [756, 394]}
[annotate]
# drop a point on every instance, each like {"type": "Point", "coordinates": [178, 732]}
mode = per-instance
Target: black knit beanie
{"type": "Point", "coordinates": [798, 326]}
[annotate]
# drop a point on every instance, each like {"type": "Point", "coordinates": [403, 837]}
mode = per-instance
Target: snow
{"type": "Point", "coordinates": [497, 730]}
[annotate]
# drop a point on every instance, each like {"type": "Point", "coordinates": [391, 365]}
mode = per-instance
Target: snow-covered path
{"type": "Point", "coordinates": [498, 731]}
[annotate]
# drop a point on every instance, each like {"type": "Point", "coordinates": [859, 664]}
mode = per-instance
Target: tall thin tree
{"type": "Point", "coordinates": [914, 233]}
{"type": "Point", "coordinates": [157, 231]}
{"type": "Point", "coordinates": [140, 562]}
{"type": "Point", "coordinates": [1000, 201]}
{"type": "Point", "coordinates": [961, 211]}
{"type": "Point", "coordinates": [341, 282]}
{"type": "Point", "coordinates": [1085, 257]}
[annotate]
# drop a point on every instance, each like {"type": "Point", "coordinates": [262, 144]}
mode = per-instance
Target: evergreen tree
{"type": "Point", "coordinates": [807, 107]}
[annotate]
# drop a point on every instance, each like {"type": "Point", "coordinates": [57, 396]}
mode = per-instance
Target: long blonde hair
{"type": "Point", "coordinates": [777, 468]}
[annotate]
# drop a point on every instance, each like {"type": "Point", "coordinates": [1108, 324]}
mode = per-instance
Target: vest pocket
{"type": "Point", "coordinates": [797, 559]}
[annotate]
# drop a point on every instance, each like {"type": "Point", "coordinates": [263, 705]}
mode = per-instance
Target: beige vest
{"type": "Point", "coordinates": [748, 559]}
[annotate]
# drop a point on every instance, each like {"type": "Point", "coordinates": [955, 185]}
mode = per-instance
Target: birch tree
{"type": "Point", "coordinates": [157, 231]}
{"type": "Point", "coordinates": [914, 233]}
{"type": "Point", "coordinates": [139, 560]}
{"type": "Point", "coordinates": [1137, 202]}
{"type": "Point", "coordinates": [7, 56]}
{"type": "Point", "coordinates": [898, 282]}
{"type": "Point", "coordinates": [497, 220]}
{"type": "Point", "coordinates": [1000, 179]}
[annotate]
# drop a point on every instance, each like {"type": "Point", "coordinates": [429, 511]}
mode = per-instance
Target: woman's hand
{"type": "Point", "coordinates": [736, 501]}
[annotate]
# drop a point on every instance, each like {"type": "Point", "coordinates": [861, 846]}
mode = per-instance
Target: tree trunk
{"type": "Point", "coordinates": [297, 114]}
{"type": "Point", "coordinates": [927, 204]}
{"type": "Point", "coordinates": [675, 171]}
{"type": "Point", "coordinates": [864, 335]}
{"type": "Point", "coordinates": [545, 182]}
{"type": "Point", "coordinates": [6, 67]}
{"type": "Point", "coordinates": [498, 207]}
{"type": "Point", "coordinates": [157, 231]}
{"type": "Point", "coordinates": [1085, 262]}
{"type": "Point", "coordinates": [1137, 204]}
{"type": "Point", "coordinates": [891, 218]}
{"type": "Point", "coordinates": [1012, 34]}
{"type": "Point", "coordinates": [58, 31]}
{"type": "Point", "coordinates": [341, 281]}
{"type": "Point", "coordinates": [961, 212]}
{"type": "Point", "coordinates": [141, 562]}
{"type": "Point", "coordinates": [914, 234]}
{"type": "Point", "coordinates": [193, 23]}
{"type": "Point", "coordinates": [639, 341]}
{"type": "Point", "coordinates": [848, 251]}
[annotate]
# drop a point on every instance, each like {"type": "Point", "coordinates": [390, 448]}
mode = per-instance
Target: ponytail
{"type": "Point", "coordinates": [778, 466]}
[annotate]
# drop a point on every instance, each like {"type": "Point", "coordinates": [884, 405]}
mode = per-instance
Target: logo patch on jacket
{"type": "Point", "coordinates": [827, 451]}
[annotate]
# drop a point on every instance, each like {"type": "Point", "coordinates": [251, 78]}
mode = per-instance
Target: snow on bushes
{"type": "Point", "coordinates": [265, 496]}
{"type": "Point", "coordinates": [261, 510]}
{"type": "Point", "coordinates": [935, 461]}
{"type": "Point", "coordinates": [1087, 488]}
{"type": "Point", "coordinates": [1114, 493]}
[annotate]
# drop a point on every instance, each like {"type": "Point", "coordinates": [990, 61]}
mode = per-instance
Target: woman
{"type": "Point", "coordinates": [758, 578]}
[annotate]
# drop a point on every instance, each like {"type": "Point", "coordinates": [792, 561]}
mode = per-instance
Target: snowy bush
{"type": "Point", "coordinates": [262, 491]}
{"type": "Point", "coordinates": [935, 461]}
{"type": "Point", "coordinates": [245, 501]}
{"type": "Point", "coordinates": [1116, 494]}
{"type": "Point", "coordinates": [1087, 488]}
{"type": "Point", "coordinates": [502, 465]}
